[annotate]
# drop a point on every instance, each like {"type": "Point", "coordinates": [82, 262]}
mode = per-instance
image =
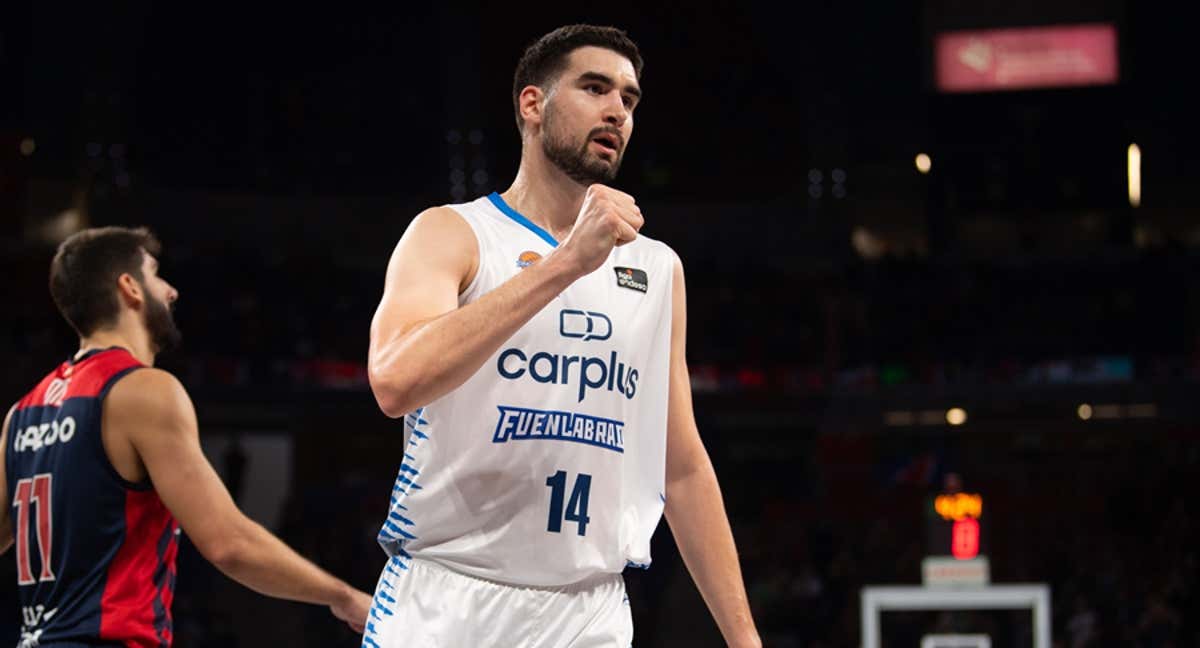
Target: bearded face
{"type": "Point", "coordinates": [160, 324]}
{"type": "Point", "coordinates": [595, 158]}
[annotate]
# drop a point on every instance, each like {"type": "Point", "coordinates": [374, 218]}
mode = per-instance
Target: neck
{"type": "Point", "coordinates": [544, 194]}
{"type": "Point", "coordinates": [135, 340]}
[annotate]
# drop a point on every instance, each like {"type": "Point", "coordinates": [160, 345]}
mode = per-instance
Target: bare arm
{"type": "Point", "coordinates": [151, 409]}
{"type": "Point", "coordinates": [694, 507]}
{"type": "Point", "coordinates": [6, 530]}
{"type": "Point", "coordinates": [423, 345]}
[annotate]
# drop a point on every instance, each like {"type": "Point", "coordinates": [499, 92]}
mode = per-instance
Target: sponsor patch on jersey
{"type": "Point", "coordinates": [519, 424]}
{"type": "Point", "coordinates": [528, 258]}
{"type": "Point", "coordinates": [632, 278]}
{"type": "Point", "coordinates": [585, 325]}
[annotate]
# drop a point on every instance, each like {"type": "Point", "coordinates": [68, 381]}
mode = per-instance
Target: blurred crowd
{"type": "Point", "coordinates": [252, 317]}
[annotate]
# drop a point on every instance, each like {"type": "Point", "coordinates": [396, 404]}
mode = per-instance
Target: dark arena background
{"type": "Point", "coordinates": [934, 250]}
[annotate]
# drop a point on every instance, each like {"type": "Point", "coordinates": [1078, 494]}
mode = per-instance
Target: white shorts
{"type": "Point", "coordinates": [421, 604]}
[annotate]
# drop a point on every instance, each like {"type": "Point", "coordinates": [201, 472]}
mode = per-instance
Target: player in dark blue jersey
{"type": "Point", "coordinates": [103, 457]}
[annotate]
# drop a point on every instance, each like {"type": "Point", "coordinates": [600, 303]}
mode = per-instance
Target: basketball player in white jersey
{"type": "Point", "coordinates": [534, 344]}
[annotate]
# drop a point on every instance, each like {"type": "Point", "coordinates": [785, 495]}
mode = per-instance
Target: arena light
{"type": "Point", "coordinates": [924, 163]}
{"type": "Point", "coordinates": [1134, 164]}
{"type": "Point", "coordinates": [28, 146]}
{"type": "Point", "coordinates": [959, 506]}
{"type": "Point", "coordinates": [1084, 411]}
{"type": "Point", "coordinates": [956, 416]}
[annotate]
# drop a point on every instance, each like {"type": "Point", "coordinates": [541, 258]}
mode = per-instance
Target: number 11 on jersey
{"type": "Point", "coordinates": [576, 508]}
{"type": "Point", "coordinates": [30, 492]}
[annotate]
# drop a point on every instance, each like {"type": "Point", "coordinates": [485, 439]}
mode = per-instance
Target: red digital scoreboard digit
{"type": "Point", "coordinates": [965, 543]}
{"type": "Point", "coordinates": [954, 526]}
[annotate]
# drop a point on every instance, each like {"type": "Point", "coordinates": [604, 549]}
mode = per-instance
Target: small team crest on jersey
{"type": "Point", "coordinates": [55, 392]}
{"type": "Point", "coordinates": [528, 258]}
{"type": "Point", "coordinates": [632, 278]}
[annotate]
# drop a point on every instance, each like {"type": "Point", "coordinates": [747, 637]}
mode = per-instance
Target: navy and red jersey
{"type": "Point", "coordinates": [95, 553]}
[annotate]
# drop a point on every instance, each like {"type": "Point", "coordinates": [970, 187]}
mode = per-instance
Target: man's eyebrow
{"type": "Point", "coordinates": [605, 79]}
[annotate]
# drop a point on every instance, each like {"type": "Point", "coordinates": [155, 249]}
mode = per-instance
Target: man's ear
{"type": "Point", "coordinates": [130, 290]}
{"type": "Point", "coordinates": [531, 102]}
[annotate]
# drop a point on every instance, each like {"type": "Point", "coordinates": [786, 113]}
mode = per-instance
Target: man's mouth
{"type": "Point", "coordinates": [607, 141]}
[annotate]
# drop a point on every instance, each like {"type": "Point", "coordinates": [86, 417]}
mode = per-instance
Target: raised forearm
{"type": "Point", "coordinates": [412, 368]}
{"type": "Point", "coordinates": [698, 521]}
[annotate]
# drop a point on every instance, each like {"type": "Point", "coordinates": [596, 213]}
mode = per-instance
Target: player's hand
{"type": "Point", "coordinates": [608, 218]}
{"type": "Point", "coordinates": [352, 607]}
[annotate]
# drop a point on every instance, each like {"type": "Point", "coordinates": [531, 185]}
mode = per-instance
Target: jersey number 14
{"type": "Point", "coordinates": [577, 506]}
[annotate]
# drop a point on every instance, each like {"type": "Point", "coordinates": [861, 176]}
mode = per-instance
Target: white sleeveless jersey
{"type": "Point", "coordinates": [547, 466]}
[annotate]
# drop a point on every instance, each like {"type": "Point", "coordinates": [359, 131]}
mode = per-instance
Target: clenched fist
{"type": "Point", "coordinates": [608, 218]}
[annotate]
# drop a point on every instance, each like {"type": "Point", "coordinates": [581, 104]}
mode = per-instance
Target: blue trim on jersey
{"type": "Point", "coordinates": [516, 215]}
{"type": "Point", "coordinates": [382, 603]}
{"type": "Point", "coordinates": [391, 536]}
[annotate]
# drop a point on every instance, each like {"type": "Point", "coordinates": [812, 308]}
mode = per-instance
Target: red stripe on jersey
{"type": "Point", "coordinates": [38, 395]}
{"type": "Point", "coordinates": [128, 605]}
{"type": "Point", "coordinates": [86, 378]}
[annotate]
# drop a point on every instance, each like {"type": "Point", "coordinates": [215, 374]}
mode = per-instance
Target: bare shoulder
{"type": "Point", "coordinates": [148, 396]}
{"type": "Point", "coordinates": [441, 216]}
{"type": "Point", "coordinates": [4, 433]}
{"type": "Point", "coordinates": [443, 225]}
{"type": "Point", "coordinates": [439, 241]}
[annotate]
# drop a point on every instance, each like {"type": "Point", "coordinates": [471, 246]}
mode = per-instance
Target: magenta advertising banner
{"type": "Point", "coordinates": [1027, 57]}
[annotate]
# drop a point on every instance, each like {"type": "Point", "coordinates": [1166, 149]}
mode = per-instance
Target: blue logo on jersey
{"type": "Point", "coordinates": [585, 325]}
{"type": "Point", "coordinates": [519, 423]}
{"type": "Point", "coordinates": [590, 372]}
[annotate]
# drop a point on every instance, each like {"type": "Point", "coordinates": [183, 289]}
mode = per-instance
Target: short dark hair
{"type": "Point", "coordinates": [84, 272]}
{"type": "Point", "coordinates": [545, 59]}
